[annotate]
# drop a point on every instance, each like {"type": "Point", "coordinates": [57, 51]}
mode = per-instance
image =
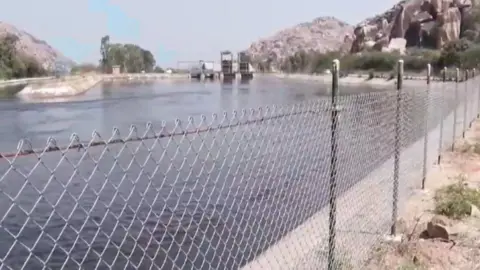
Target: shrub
{"type": "Point", "coordinates": [455, 200]}
{"type": "Point", "coordinates": [84, 68]}
{"type": "Point", "coordinates": [461, 53]}
{"type": "Point", "coordinates": [319, 62]}
{"type": "Point", "coordinates": [471, 35]}
{"type": "Point", "coordinates": [158, 69]}
{"type": "Point", "coordinates": [451, 54]}
{"type": "Point", "coordinates": [417, 59]}
{"type": "Point", "coordinates": [378, 61]}
{"type": "Point", "coordinates": [470, 57]}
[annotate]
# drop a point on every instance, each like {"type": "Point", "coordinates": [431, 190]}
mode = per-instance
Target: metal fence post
{"type": "Point", "coordinates": [478, 103]}
{"type": "Point", "coordinates": [465, 104]}
{"type": "Point", "coordinates": [333, 167]}
{"type": "Point", "coordinates": [440, 143]}
{"type": "Point", "coordinates": [473, 103]}
{"type": "Point", "coordinates": [429, 73]}
{"type": "Point", "coordinates": [426, 115]}
{"type": "Point", "coordinates": [457, 78]}
{"type": "Point", "coordinates": [396, 164]}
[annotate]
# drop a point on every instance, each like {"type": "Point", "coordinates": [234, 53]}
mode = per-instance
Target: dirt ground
{"type": "Point", "coordinates": [409, 250]}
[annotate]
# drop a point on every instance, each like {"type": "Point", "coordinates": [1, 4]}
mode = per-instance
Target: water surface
{"type": "Point", "coordinates": [121, 105]}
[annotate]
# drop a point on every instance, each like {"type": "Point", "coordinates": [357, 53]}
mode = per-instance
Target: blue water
{"type": "Point", "coordinates": [121, 105]}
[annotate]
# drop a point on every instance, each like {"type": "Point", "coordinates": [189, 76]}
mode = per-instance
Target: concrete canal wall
{"type": "Point", "coordinates": [51, 87]}
{"type": "Point", "coordinates": [69, 86]}
{"type": "Point", "coordinates": [24, 81]}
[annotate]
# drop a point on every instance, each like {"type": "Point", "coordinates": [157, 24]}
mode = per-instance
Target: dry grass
{"type": "Point", "coordinates": [456, 200]}
{"type": "Point", "coordinates": [469, 147]}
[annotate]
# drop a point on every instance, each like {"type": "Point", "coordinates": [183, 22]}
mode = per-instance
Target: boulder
{"type": "Point", "coordinates": [440, 227]}
{"type": "Point", "coordinates": [474, 211]}
{"type": "Point", "coordinates": [405, 15]}
{"type": "Point", "coordinates": [397, 44]}
{"type": "Point", "coordinates": [437, 228]}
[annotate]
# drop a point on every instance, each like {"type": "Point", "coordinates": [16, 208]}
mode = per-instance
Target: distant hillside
{"type": "Point", "coordinates": [322, 34]}
{"type": "Point", "coordinates": [33, 47]}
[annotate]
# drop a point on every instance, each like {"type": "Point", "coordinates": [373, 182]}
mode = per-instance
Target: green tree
{"type": "Point", "coordinates": [130, 57]}
{"type": "Point", "coordinates": [32, 67]}
{"type": "Point", "coordinates": [84, 68]}
{"type": "Point", "coordinates": [323, 61]}
{"type": "Point", "coordinates": [158, 69]}
{"type": "Point", "coordinates": [148, 60]}
{"type": "Point", "coordinates": [134, 58]}
{"type": "Point", "coordinates": [15, 65]}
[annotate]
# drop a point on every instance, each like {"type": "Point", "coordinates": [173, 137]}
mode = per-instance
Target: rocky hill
{"type": "Point", "coordinates": [409, 23]}
{"type": "Point", "coordinates": [322, 34]}
{"type": "Point", "coordinates": [31, 46]}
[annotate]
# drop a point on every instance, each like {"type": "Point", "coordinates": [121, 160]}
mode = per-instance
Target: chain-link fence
{"type": "Point", "coordinates": [309, 186]}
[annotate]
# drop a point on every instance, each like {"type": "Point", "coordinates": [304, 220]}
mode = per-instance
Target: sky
{"type": "Point", "coordinates": [174, 30]}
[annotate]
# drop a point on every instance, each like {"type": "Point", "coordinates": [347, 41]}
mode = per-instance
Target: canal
{"type": "Point", "coordinates": [210, 199]}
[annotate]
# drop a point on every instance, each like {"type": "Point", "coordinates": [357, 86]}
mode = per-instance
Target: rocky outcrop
{"type": "Point", "coordinates": [322, 34]}
{"type": "Point", "coordinates": [420, 22]}
{"type": "Point", "coordinates": [33, 47]}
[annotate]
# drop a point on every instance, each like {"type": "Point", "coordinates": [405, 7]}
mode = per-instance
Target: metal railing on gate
{"type": "Point", "coordinates": [284, 187]}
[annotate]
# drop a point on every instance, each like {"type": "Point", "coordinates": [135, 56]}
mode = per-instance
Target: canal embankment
{"type": "Point", "coordinates": [61, 87]}
{"type": "Point", "coordinates": [51, 87]}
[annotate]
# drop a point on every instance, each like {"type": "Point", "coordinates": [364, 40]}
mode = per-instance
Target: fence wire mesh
{"type": "Point", "coordinates": [244, 190]}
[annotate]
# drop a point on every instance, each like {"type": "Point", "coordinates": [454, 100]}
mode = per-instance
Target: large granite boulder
{"type": "Point", "coordinates": [448, 25]}
{"type": "Point", "coordinates": [404, 15]}
{"type": "Point", "coordinates": [422, 23]}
